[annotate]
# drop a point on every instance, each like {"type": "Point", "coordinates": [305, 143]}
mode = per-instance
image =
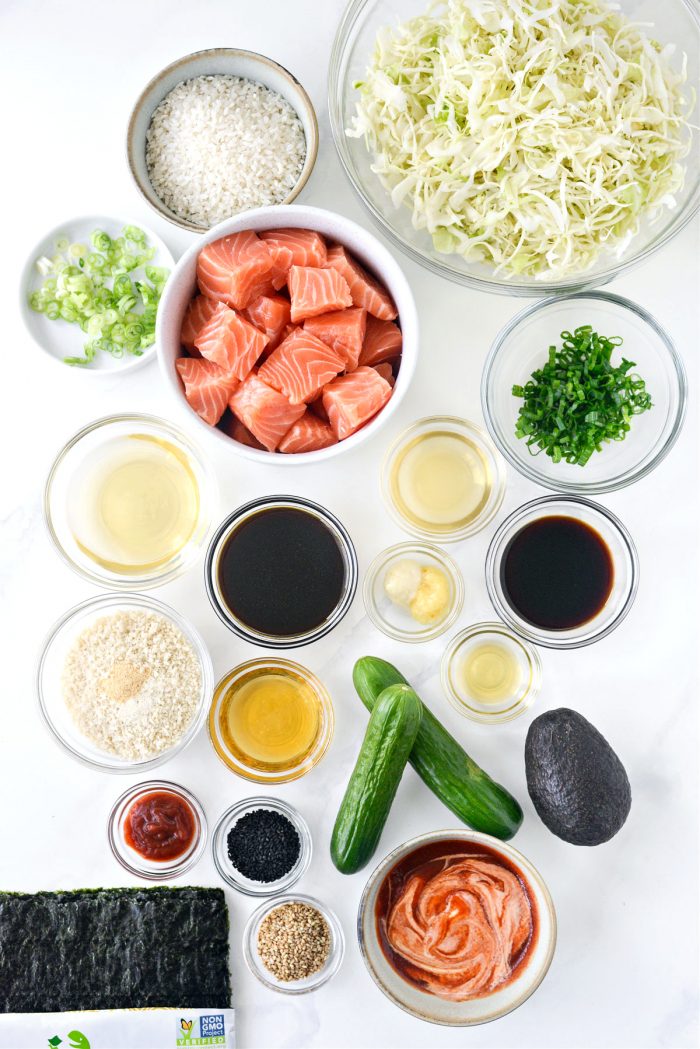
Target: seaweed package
{"type": "Point", "coordinates": [114, 949]}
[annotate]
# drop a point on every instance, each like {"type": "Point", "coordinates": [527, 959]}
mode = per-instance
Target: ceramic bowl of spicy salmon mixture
{"type": "Point", "coordinates": [288, 334]}
{"type": "Point", "coordinates": [457, 928]}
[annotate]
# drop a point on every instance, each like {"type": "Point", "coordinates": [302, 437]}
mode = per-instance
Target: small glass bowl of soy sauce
{"type": "Point", "coordinates": [281, 571]}
{"type": "Point", "coordinates": [562, 572]}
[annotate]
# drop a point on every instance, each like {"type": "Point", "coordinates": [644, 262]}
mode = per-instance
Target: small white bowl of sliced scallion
{"type": "Point", "coordinates": [90, 291]}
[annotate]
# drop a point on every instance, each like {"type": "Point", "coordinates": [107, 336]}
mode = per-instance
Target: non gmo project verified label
{"type": "Point", "coordinates": [207, 1030]}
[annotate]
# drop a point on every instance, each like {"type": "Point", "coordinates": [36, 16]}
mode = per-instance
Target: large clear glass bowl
{"type": "Point", "coordinates": [673, 22]}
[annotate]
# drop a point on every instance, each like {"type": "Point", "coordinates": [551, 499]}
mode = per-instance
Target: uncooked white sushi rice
{"type": "Point", "coordinates": [218, 145]}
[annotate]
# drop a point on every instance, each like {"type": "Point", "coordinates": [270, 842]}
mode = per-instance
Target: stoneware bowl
{"type": "Point", "coordinates": [182, 286]}
{"type": "Point", "coordinates": [215, 62]}
{"type": "Point", "coordinates": [426, 1006]}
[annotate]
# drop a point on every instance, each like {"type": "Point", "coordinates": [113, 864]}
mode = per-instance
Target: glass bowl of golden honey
{"type": "Point", "coordinates": [270, 720]}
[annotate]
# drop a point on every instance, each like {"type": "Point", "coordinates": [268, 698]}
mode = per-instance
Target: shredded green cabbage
{"type": "Point", "coordinates": [528, 134]}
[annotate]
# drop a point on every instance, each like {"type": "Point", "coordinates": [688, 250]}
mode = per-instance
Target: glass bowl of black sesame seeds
{"type": "Point", "coordinates": [261, 846]}
{"type": "Point", "coordinates": [293, 944]}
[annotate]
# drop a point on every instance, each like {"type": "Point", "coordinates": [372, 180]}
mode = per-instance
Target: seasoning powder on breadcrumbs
{"type": "Point", "coordinates": [131, 683]}
{"type": "Point", "coordinates": [294, 941]}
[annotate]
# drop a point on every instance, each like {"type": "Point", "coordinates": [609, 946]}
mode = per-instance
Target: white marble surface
{"type": "Point", "coordinates": [625, 970]}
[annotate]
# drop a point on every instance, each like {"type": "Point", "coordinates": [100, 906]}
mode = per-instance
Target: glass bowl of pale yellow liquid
{"type": "Point", "coordinates": [490, 674]}
{"type": "Point", "coordinates": [443, 479]}
{"type": "Point", "coordinates": [271, 720]}
{"type": "Point", "coordinates": [129, 502]}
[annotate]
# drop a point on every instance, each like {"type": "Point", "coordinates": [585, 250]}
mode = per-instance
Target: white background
{"type": "Point", "coordinates": [625, 970]}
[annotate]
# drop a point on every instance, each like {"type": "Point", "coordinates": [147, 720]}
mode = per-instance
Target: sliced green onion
{"type": "Point", "coordinates": [117, 319]}
{"type": "Point", "coordinates": [579, 400]}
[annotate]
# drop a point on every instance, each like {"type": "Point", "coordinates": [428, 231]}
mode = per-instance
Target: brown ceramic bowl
{"type": "Point", "coordinates": [216, 61]}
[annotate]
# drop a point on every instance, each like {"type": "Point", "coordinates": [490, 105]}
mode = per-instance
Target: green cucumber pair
{"type": "Point", "coordinates": [402, 729]}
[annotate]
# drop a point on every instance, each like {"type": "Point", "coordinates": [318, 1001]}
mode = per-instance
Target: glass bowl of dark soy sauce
{"type": "Point", "coordinates": [281, 571]}
{"type": "Point", "coordinates": [562, 572]}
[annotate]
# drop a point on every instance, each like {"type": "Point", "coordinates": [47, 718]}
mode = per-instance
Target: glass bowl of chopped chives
{"type": "Point", "coordinates": [90, 290]}
{"type": "Point", "coordinates": [584, 393]}
{"type": "Point", "coordinates": [123, 683]}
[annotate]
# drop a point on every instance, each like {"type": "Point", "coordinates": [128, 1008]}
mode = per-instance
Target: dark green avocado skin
{"type": "Point", "coordinates": [577, 783]}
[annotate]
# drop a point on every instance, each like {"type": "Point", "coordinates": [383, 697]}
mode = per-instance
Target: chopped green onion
{"type": "Point", "coordinates": [579, 399]}
{"type": "Point", "coordinates": [118, 319]}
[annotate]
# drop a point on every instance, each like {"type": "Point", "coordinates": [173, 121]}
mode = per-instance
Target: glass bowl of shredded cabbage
{"type": "Point", "coordinates": [521, 146]}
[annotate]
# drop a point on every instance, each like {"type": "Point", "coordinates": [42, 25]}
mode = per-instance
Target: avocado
{"type": "Point", "coordinates": [577, 783]}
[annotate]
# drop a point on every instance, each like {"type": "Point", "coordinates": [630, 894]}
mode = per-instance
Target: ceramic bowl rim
{"type": "Point", "coordinates": [515, 856]}
{"type": "Point", "coordinates": [300, 93]}
{"type": "Point", "coordinates": [132, 363]}
{"type": "Point", "coordinates": [301, 215]}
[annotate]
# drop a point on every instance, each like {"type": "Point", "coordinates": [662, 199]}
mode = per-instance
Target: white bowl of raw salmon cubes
{"type": "Point", "coordinates": [288, 332]}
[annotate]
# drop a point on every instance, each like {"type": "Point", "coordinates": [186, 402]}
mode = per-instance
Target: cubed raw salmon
{"type": "Point", "coordinates": [343, 330]}
{"type": "Point", "coordinates": [271, 314]}
{"type": "Point", "coordinates": [207, 387]}
{"type": "Point", "coordinates": [315, 291]}
{"type": "Point", "coordinates": [197, 314]}
{"type": "Point", "coordinates": [382, 342]}
{"type": "Point", "coordinates": [366, 291]}
{"type": "Point", "coordinates": [386, 371]}
{"type": "Point", "coordinates": [231, 341]}
{"type": "Point", "coordinates": [235, 269]}
{"type": "Point", "coordinates": [301, 366]}
{"type": "Point", "coordinates": [267, 413]}
{"type": "Point", "coordinates": [307, 434]}
{"type": "Point", "coordinates": [352, 400]}
{"type": "Point", "coordinates": [294, 247]}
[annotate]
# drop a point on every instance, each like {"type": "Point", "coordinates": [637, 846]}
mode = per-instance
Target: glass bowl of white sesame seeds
{"type": "Point", "coordinates": [293, 944]}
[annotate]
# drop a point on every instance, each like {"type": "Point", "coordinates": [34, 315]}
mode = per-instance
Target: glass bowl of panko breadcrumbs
{"type": "Point", "coordinates": [123, 683]}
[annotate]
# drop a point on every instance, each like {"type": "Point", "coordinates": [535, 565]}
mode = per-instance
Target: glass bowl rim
{"type": "Point", "coordinates": [340, 534]}
{"type": "Point", "coordinates": [498, 491]}
{"type": "Point", "coordinates": [170, 868]}
{"type": "Point", "coordinates": [283, 884]}
{"type": "Point", "coordinates": [320, 746]}
{"type": "Point", "coordinates": [208, 491]}
{"type": "Point", "coordinates": [522, 705]}
{"type": "Point", "coordinates": [100, 601]}
{"type": "Point", "coordinates": [432, 552]}
{"type": "Point", "coordinates": [672, 358]}
{"type": "Point", "coordinates": [533, 634]}
{"type": "Point", "coordinates": [465, 833]}
{"type": "Point", "coordinates": [513, 287]}
{"type": "Point", "coordinates": [335, 957]}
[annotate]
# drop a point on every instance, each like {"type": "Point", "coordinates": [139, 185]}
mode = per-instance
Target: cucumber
{"type": "Point", "coordinates": [441, 762]}
{"type": "Point", "coordinates": [390, 735]}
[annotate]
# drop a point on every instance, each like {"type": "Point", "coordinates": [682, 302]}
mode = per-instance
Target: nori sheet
{"type": "Point", "coordinates": [114, 949]}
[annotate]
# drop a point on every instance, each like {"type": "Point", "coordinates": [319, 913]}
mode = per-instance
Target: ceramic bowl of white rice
{"type": "Point", "coordinates": [219, 132]}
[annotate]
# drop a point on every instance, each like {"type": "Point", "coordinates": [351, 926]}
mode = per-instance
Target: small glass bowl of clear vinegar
{"type": "Point", "coordinates": [443, 479]}
{"type": "Point", "coordinates": [489, 674]}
